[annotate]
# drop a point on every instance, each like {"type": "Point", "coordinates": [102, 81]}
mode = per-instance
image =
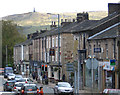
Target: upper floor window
{"type": "Point", "coordinates": [47, 43]}
{"type": "Point", "coordinates": [60, 41]}
{"type": "Point", "coordinates": [106, 46]}
{"type": "Point", "coordinates": [56, 41]}
{"type": "Point", "coordinates": [52, 42]}
{"type": "Point", "coordinates": [90, 50]}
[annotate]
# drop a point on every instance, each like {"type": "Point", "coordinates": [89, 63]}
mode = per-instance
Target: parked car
{"type": "Point", "coordinates": [11, 76]}
{"type": "Point", "coordinates": [63, 88]}
{"type": "Point", "coordinates": [111, 91]}
{"type": "Point", "coordinates": [28, 80]}
{"type": "Point", "coordinates": [8, 85]}
{"type": "Point", "coordinates": [21, 80]}
{"type": "Point", "coordinates": [17, 86]}
{"type": "Point", "coordinates": [7, 71]}
{"type": "Point", "coordinates": [17, 77]}
{"type": "Point", "coordinates": [1, 71]}
{"type": "Point", "coordinates": [29, 89]}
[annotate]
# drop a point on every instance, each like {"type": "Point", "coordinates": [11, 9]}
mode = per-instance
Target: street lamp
{"type": "Point", "coordinates": [58, 43]}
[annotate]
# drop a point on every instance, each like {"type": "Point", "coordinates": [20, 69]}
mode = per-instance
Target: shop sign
{"type": "Point", "coordinates": [112, 62]}
{"type": "Point", "coordinates": [106, 65]}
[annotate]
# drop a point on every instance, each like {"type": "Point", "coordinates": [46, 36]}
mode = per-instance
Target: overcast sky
{"type": "Point", "coordinates": [10, 7]}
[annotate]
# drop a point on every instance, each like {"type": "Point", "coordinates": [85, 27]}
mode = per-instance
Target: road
{"type": "Point", "coordinates": [46, 89]}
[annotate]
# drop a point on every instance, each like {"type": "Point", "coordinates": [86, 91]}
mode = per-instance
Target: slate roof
{"type": "Point", "coordinates": [27, 42]}
{"type": "Point", "coordinates": [70, 28]}
{"type": "Point", "coordinates": [104, 20]}
{"type": "Point", "coordinates": [110, 32]}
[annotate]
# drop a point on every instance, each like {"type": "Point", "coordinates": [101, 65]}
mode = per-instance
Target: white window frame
{"type": "Point", "coordinates": [56, 58]}
{"type": "Point", "coordinates": [60, 40]}
{"type": "Point", "coordinates": [49, 42]}
{"type": "Point", "coordinates": [45, 57]}
{"type": "Point", "coordinates": [52, 58]}
{"type": "Point", "coordinates": [48, 57]}
{"type": "Point", "coordinates": [56, 41]}
{"type": "Point", "coordinates": [53, 42]}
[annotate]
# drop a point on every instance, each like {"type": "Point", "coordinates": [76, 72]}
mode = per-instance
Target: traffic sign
{"type": "Point", "coordinates": [91, 61]}
{"type": "Point", "coordinates": [97, 50]}
{"type": "Point", "coordinates": [69, 67]}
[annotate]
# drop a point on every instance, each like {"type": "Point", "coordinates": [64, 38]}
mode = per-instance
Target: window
{"type": "Point", "coordinates": [106, 46]}
{"type": "Point", "coordinates": [56, 55]}
{"type": "Point", "coordinates": [45, 57]}
{"type": "Point", "coordinates": [48, 57]}
{"type": "Point", "coordinates": [60, 41]}
{"type": "Point", "coordinates": [52, 42]}
{"type": "Point", "coordinates": [90, 50]}
{"type": "Point", "coordinates": [49, 42]}
{"type": "Point", "coordinates": [56, 41]}
{"type": "Point", "coordinates": [101, 50]}
{"type": "Point", "coordinates": [52, 58]}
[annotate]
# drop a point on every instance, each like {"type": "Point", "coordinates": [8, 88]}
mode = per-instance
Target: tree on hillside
{"type": "Point", "coordinates": [10, 36]}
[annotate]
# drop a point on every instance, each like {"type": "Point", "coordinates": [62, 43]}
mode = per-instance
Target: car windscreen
{"type": "Point", "coordinates": [18, 76]}
{"type": "Point", "coordinates": [64, 85]}
{"type": "Point", "coordinates": [11, 75]}
{"type": "Point", "coordinates": [30, 88]}
{"type": "Point", "coordinates": [21, 80]}
{"type": "Point", "coordinates": [8, 71]}
{"type": "Point", "coordinates": [19, 85]}
{"type": "Point", "coordinates": [10, 83]}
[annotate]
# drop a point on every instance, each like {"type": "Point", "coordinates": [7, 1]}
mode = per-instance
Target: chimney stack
{"type": "Point", "coordinates": [82, 16]}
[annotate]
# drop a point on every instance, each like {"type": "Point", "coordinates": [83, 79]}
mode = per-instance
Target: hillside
{"type": "Point", "coordinates": [32, 21]}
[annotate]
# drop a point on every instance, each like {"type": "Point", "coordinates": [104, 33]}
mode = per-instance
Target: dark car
{"type": "Point", "coordinates": [8, 85]}
{"type": "Point", "coordinates": [30, 89]}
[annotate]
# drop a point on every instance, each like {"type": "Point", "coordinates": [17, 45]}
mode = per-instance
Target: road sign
{"type": "Point", "coordinates": [89, 63]}
{"type": "Point", "coordinates": [70, 67]}
{"type": "Point", "coordinates": [97, 50]}
{"type": "Point", "coordinates": [112, 62]}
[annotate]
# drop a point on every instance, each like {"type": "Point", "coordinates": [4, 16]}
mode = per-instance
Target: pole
{"type": "Point", "coordinates": [75, 78]}
{"type": "Point", "coordinates": [58, 47]}
{"type": "Point", "coordinates": [6, 56]}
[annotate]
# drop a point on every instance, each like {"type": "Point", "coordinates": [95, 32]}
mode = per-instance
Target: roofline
{"type": "Point", "coordinates": [104, 30]}
{"type": "Point", "coordinates": [105, 21]}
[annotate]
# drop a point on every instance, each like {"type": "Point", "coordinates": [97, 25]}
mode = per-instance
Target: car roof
{"type": "Point", "coordinates": [11, 74]}
{"type": "Point", "coordinates": [20, 82]}
{"type": "Point", "coordinates": [25, 78]}
{"type": "Point", "coordinates": [63, 83]}
{"type": "Point", "coordinates": [11, 81]}
{"type": "Point", "coordinates": [30, 85]}
{"type": "Point", "coordinates": [18, 75]}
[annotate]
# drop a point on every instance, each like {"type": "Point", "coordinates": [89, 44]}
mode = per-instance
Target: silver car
{"type": "Point", "coordinates": [11, 76]}
{"type": "Point", "coordinates": [17, 86]}
{"type": "Point", "coordinates": [63, 88]}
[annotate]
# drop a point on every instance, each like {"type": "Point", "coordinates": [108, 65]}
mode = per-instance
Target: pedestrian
{"type": "Point", "coordinates": [41, 91]}
{"type": "Point", "coordinates": [36, 76]}
{"type": "Point", "coordinates": [33, 74]}
{"type": "Point", "coordinates": [63, 78]}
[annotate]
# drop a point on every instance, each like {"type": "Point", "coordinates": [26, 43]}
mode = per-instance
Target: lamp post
{"type": "Point", "coordinates": [58, 43]}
